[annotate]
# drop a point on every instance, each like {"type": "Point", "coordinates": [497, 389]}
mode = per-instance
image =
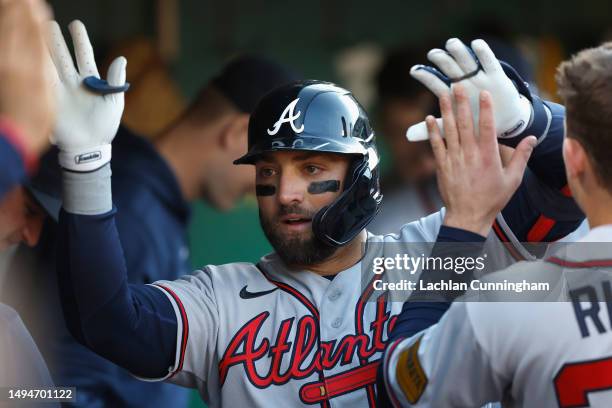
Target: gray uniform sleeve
{"type": "Point", "coordinates": [193, 300]}
{"type": "Point", "coordinates": [444, 365]}
{"type": "Point", "coordinates": [422, 230]}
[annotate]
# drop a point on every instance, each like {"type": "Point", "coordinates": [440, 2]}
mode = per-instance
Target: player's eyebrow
{"type": "Point", "coordinates": [311, 156]}
{"type": "Point", "coordinates": [302, 156]}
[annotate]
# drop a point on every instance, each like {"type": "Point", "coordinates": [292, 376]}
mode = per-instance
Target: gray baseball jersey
{"type": "Point", "coordinates": [261, 335]}
{"type": "Point", "coordinates": [551, 353]}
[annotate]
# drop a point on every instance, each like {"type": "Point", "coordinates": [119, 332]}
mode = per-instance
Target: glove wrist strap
{"type": "Point", "coordinates": [85, 159]}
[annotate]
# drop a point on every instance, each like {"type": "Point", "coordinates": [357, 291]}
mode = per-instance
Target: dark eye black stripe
{"type": "Point", "coordinates": [320, 187]}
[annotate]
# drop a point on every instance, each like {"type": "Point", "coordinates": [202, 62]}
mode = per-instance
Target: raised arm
{"type": "Point", "coordinates": [475, 186]}
{"type": "Point", "coordinates": [133, 326]}
{"type": "Point", "coordinates": [542, 209]}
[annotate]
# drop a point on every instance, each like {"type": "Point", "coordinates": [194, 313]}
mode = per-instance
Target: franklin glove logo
{"type": "Point", "coordinates": [88, 157]}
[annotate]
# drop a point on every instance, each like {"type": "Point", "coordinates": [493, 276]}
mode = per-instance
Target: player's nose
{"type": "Point", "coordinates": [290, 190]}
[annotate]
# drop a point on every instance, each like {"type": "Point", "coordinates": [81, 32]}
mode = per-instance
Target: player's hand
{"type": "Point", "coordinates": [26, 96]}
{"type": "Point", "coordinates": [88, 121]}
{"type": "Point", "coordinates": [481, 72]}
{"type": "Point", "coordinates": [473, 182]}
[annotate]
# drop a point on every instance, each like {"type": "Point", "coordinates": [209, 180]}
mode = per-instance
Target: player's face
{"type": "Point", "coordinates": [291, 188]}
{"type": "Point", "coordinates": [21, 219]}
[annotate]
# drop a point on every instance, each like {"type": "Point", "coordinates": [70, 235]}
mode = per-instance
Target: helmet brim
{"type": "Point", "coordinates": [303, 143]}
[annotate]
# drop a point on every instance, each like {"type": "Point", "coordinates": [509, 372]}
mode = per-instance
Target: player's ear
{"type": "Point", "coordinates": [234, 135]}
{"type": "Point", "coordinates": [575, 157]}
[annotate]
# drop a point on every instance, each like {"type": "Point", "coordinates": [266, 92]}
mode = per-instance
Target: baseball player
{"type": "Point", "coordinates": [530, 354]}
{"type": "Point", "coordinates": [296, 328]}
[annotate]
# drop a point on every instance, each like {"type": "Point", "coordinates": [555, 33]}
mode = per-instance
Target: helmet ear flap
{"type": "Point", "coordinates": [320, 228]}
{"type": "Point", "coordinates": [338, 223]}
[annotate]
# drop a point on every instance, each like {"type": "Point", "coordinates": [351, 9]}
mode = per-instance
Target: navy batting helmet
{"type": "Point", "coordinates": [322, 117]}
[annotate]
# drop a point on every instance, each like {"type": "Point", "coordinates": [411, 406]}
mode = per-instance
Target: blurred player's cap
{"type": "Point", "coordinates": [247, 78]}
{"type": "Point", "coordinates": [46, 185]}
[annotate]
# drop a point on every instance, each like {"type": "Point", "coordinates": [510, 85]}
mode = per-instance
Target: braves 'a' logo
{"type": "Point", "coordinates": [287, 117]}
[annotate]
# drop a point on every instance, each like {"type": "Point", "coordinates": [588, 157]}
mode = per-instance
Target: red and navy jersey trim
{"type": "Point", "coordinates": [594, 263]}
{"type": "Point", "coordinates": [540, 229]}
{"type": "Point", "coordinates": [185, 321]}
{"type": "Point", "coordinates": [503, 237]}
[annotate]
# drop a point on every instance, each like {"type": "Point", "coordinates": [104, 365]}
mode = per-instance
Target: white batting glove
{"type": "Point", "coordinates": [87, 121]}
{"type": "Point", "coordinates": [476, 72]}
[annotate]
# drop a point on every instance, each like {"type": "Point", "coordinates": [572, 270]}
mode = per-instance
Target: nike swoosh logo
{"type": "Point", "coordinates": [245, 294]}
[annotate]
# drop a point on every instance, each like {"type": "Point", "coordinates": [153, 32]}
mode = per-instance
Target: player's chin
{"type": "Point", "coordinates": [293, 234]}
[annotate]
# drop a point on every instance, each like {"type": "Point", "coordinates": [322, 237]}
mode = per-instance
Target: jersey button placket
{"type": "Point", "coordinates": [334, 295]}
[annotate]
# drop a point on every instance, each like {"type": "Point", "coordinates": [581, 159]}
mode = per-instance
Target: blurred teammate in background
{"type": "Point", "coordinates": [410, 187]}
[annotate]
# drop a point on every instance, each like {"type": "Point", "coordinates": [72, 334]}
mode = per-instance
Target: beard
{"type": "Point", "coordinates": [293, 248]}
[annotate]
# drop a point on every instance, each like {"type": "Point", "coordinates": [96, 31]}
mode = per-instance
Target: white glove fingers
{"type": "Point", "coordinates": [430, 80]}
{"type": "Point", "coordinates": [462, 55]}
{"type": "Point", "coordinates": [116, 72]}
{"type": "Point", "coordinates": [60, 54]}
{"type": "Point", "coordinates": [445, 63]}
{"type": "Point", "coordinates": [82, 49]}
{"type": "Point", "coordinates": [419, 132]}
{"type": "Point", "coordinates": [487, 59]}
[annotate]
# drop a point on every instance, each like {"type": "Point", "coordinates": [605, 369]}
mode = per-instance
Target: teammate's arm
{"type": "Point", "coordinates": [475, 186]}
{"type": "Point", "coordinates": [134, 326]}
{"type": "Point", "coordinates": [542, 208]}
{"type": "Point", "coordinates": [424, 371]}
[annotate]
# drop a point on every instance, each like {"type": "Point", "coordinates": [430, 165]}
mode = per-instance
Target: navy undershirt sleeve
{"type": "Point", "coordinates": [546, 161]}
{"type": "Point", "coordinates": [419, 315]}
{"type": "Point", "coordinates": [134, 326]}
{"type": "Point", "coordinates": [542, 210]}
